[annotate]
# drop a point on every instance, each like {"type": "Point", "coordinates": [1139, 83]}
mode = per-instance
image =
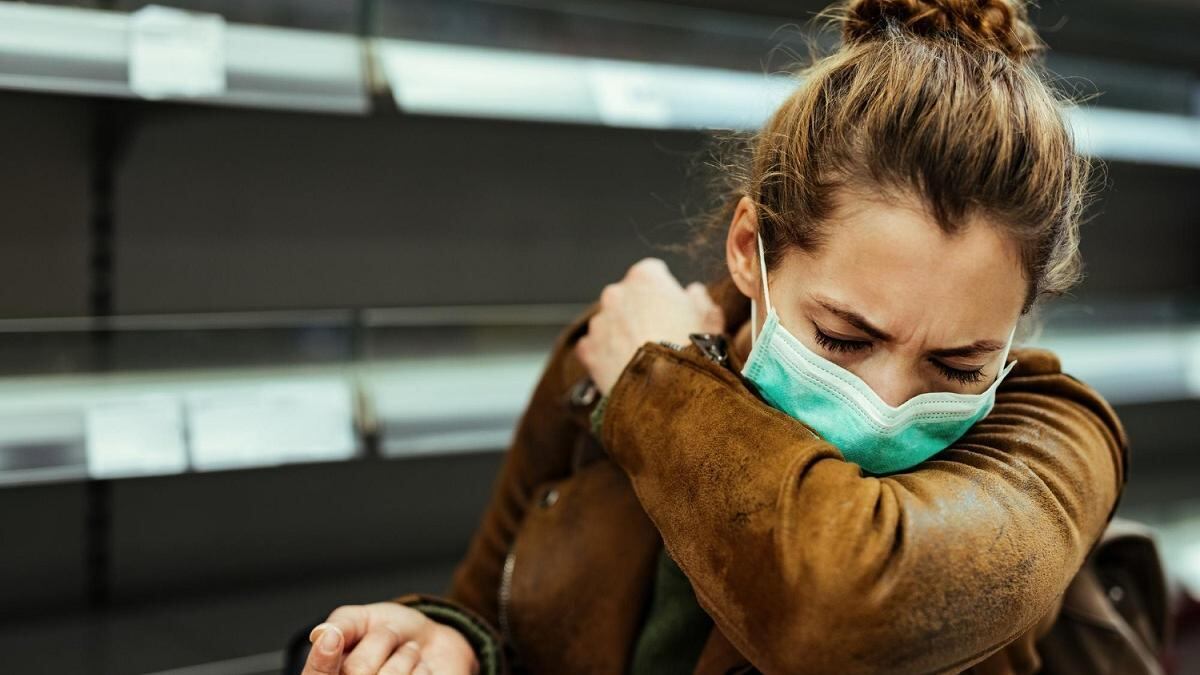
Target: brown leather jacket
{"type": "Point", "coordinates": [804, 564]}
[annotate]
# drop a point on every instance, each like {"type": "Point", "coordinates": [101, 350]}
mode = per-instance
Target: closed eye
{"type": "Point", "coordinates": [833, 344]}
{"type": "Point", "coordinates": [958, 374]}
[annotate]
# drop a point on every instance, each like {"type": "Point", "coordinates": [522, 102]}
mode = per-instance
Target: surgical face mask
{"type": "Point", "coordinates": [840, 407]}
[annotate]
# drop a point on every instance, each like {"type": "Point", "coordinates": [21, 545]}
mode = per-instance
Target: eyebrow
{"type": "Point", "coordinates": [855, 319]}
{"type": "Point", "coordinates": [974, 349]}
{"type": "Point", "coordinates": [860, 322]}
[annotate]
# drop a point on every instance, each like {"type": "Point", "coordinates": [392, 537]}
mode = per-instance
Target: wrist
{"type": "Point", "coordinates": [484, 640]}
{"type": "Point", "coordinates": [597, 416]}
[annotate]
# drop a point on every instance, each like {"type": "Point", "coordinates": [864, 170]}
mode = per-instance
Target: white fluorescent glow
{"type": "Point", "coordinates": [478, 82]}
{"type": "Point", "coordinates": [1136, 136]}
{"type": "Point", "coordinates": [442, 79]}
{"type": "Point", "coordinates": [87, 52]}
{"type": "Point", "coordinates": [456, 80]}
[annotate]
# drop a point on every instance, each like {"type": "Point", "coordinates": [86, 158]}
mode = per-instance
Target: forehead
{"type": "Point", "coordinates": [890, 262]}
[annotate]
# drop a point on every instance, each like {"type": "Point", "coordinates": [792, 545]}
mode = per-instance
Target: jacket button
{"type": "Point", "coordinates": [1116, 594]}
{"type": "Point", "coordinates": [549, 497]}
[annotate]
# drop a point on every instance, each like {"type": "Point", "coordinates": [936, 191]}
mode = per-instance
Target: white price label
{"type": "Point", "coordinates": [272, 423]}
{"type": "Point", "coordinates": [176, 53]}
{"type": "Point", "coordinates": [628, 95]}
{"type": "Point", "coordinates": [136, 436]}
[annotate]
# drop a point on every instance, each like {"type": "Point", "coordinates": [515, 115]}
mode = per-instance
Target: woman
{"type": "Point", "coordinates": [855, 480]}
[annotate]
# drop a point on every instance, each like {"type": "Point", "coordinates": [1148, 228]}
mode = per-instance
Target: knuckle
{"type": "Point", "coordinates": [395, 632]}
{"type": "Point", "coordinates": [610, 294]}
{"type": "Point", "coordinates": [400, 663]}
{"type": "Point", "coordinates": [345, 613]}
{"type": "Point", "coordinates": [650, 265]}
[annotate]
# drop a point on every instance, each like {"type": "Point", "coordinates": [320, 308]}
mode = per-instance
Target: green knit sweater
{"type": "Point", "coordinates": [675, 628]}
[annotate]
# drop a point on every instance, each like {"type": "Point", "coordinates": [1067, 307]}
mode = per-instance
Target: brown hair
{"type": "Point", "coordinates": [942, 99]}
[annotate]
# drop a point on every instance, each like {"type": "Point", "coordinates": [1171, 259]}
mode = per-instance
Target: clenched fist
{"type": "Point", "coordinates": [648, 305]}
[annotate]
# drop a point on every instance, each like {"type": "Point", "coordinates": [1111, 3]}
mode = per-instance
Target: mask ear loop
{"type": "Point", "coordinates": [762, 270]}
{"type": "Point", "coordinates": [1004, 364]}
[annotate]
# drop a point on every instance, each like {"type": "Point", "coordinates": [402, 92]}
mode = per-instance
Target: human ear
{"type": "Point", "coordinates": [741, 249]}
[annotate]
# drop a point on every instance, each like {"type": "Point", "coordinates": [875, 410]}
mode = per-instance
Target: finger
{"type": "Point", "coordinates": [699, 295]}
{"type": "Point", "coordinates": [601, 325]}
{"type": "Point", "coordinates": [649, 267]}
{"type": "Point", "coordinates": [597, 321]}
{"type": "Point", "coordinates": [611, 295]}
{"type": "Point", "coordinates": [325, 658]}
{"type": "Point", "coordinates": [352, 620]}
{"type": "Point", "coordinates": [403, 661]}
{"type": "Point", "coordinates": [371, 653]}
{"type": "Point", "coordinates": [583, 350]}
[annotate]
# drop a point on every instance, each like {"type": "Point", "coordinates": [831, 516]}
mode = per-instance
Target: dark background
{"type": "Point", "coordinates": [123, 207]}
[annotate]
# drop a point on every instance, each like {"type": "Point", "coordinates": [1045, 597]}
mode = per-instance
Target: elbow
{"type": "Point", "coordinates": [828, 653]}
{"type": "Point", "coordinates": [844, 631]}
{"type": "Point", "coordinates": [826, 630]}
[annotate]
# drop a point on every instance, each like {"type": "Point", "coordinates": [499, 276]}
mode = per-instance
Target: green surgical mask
{"type": "Point", "coordinates": [844, 410]}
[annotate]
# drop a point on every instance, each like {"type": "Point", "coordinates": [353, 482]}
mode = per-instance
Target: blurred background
{"type": "Point", "coordinates": [276, 278]}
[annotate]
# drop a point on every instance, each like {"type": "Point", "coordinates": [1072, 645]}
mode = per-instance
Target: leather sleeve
{"type": "Point", "coordinates": [809, 566]}
{"type": "Point", "coordinates": [540, 451]}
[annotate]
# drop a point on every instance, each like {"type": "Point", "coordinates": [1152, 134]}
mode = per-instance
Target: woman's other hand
{"type": "Point", "coordinates": [389, 639]}
{"type": "Point", "coordinates": [648, 305]}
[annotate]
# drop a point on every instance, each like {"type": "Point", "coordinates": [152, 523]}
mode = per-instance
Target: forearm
{"type": "Point", "coordinates": [807, 565]}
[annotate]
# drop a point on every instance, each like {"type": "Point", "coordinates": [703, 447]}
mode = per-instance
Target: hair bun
{"type": "Point", "coordinates": [986, 24]}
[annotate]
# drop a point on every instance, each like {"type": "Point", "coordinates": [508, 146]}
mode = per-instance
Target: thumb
{"type": "Point", "coordinates": [325, 658]}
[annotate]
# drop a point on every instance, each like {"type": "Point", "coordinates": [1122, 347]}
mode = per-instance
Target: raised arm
{"type": "Point", "coordinates": [541, 447]}
{"type": "Point", "coordinates": [808, 566]}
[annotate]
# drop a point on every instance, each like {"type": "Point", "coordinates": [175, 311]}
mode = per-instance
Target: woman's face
{"type": "Point", "coordinates": [891, 297]}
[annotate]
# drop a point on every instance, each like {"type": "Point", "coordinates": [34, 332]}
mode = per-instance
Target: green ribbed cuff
{"type": "Point", "coordinates": [597, 416]}
{"type": "Point", "coordinates": [487, 650]}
